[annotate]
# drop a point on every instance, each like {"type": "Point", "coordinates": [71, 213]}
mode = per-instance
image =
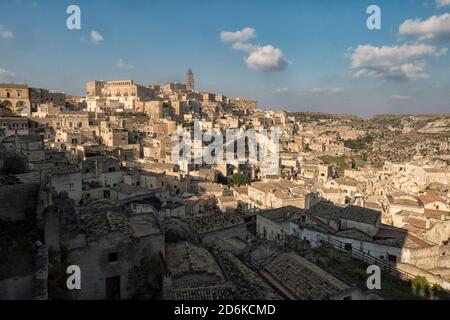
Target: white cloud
{"type": "Point", "coordinates": [6, 75]}
{"type": "Point", "coordinates": [96, 37]}
{"type": "Point", "coordinates": [122, 65]}
{"type": "Point", "coordinates": [435, 28]}
{"type": "Point", "coordinates": [442, 3]}
{"type": "Point", "coordinates": [262, 58]}
{"type": "Point", "coordinates": [5, 33]}
{"type": "Point", "coordinates": [399, 97]}
{"type": "Point", "coordinates": [403, 62]}
{"type": "Point", "coordinates": [281, 90]}
{"type": "Point", "coordinates": [238, 36]}
{"type": "Point", "coordinates": [266, 58]}
{"type": "Point", "coordinates": [327, 90]}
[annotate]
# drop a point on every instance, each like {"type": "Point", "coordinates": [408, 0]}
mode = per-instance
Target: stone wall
{"type": "Point", "coordinates": [95, 267]}
{"type": "Point", "coordinates": [432, 278]}
{"type": "Point", "coordinates": [435, 257]}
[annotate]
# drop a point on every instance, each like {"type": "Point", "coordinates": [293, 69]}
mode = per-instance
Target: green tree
{"type": "Point", "coordinates": [420, 286]}
{"type": "Point", "coordinates": [222, 179]}
{"type": "Point", "coordinates": [238, 179]}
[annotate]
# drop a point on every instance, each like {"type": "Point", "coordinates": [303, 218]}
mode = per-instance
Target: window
{"type": "Point", "coordinates": [70, 186]}
{"type": "Point", "coordinates": [112, 257]}
{"type": "Point", "coordinates": [8, 95]}
{"type": "Point", "coordinates": [348, 247]}
{"type": "Point", "coordinates": [392, 258]}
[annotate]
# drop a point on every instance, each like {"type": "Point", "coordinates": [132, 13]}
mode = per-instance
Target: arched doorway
{"type": "Point", "coordinates": [20, 105]}
{"type": "Point", "coordinates": [6, 104]}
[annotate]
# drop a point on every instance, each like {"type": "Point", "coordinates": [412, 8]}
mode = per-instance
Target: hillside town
{"type": "Point", "coordinates": [92, 181]}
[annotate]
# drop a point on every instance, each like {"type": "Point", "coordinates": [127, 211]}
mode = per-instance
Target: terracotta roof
{"type": "Point", "coordinates": [431, 213]}
{"type": "Point", "coordinates": [429, 198]}
{"type": "Point", "coordinates": [418, 223]}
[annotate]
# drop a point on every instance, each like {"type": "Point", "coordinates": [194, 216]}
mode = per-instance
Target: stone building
{"type": "Point", "coordinates": [245, 103]}
{"type": "Point", "coordinates": [11, 124]}
{"type": "Point", "coordinates": [172, 87]}
{"type": "Point", "coordinates": [190, 85]}
{"type": "Point", "coordinates": [106, 243]}
{"type": "Point", "coordinates": [67, 179]}
{"type": "Point", "coordinates": [112, 135]}
{"type": "Point", "coordinates": [125, 91]}
{"type": "Point", "coordinates": [279, 193]}
{"type": "Point", "coordinates": [38, 96]}
{"type": "Point", "coordinates": [15, 97]}
{"type": "Point", "coordinates": [30, 146]}
{"type": "Point", "coordinates": [357, 230]}
{"type": "Point", "coordinates": [195, 274]}
{"type": "Point", "coordinates": [153, 108]}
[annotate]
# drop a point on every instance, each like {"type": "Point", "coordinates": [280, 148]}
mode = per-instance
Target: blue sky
{"type": "Point", "coordinates": [321, 68]}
